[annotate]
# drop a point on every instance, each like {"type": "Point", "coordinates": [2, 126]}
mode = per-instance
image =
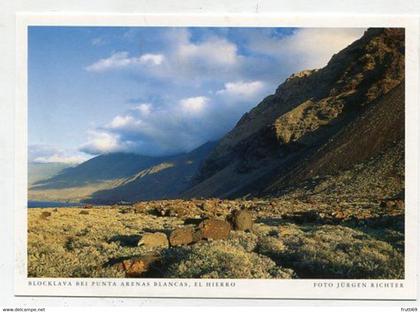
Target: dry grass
{"type": "Point", "coordinates": [220, 259]}
{"type": "Point", "coordinates": [334, 251]}
{"type": "Point", "coordinates": [70, 244]}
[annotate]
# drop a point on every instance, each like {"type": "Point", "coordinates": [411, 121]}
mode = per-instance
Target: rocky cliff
{"type": "Point", "coordinates": [313, 123]}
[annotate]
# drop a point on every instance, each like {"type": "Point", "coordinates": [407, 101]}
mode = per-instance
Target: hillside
{"type": "Point", "coordinates": [115, 177]}
{"type": "Point", "coordinates": [365, 159]}
{"type": "Point", "coordinates": [43, 171]}
{"type": "Point", "coordinates": [103, 167]}
{"type": "Point", "coordinates": [164, 180]}
{"type": "Point", "coordinates": [315, 124]}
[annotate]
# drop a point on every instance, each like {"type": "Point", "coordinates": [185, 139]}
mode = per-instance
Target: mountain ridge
{"type": "Point", "coordinates": [101, 178]}
{"type": "Point", "coordinates": [304, 113]}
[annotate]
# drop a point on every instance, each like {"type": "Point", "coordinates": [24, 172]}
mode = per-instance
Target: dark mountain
{"type": "Point", "coordinates": [161, 181]}
{"type": "Point", "coordinates": [100, 168]}
{"type": "Point", "coordinates": [122, 177]}
{"type": "Point", "coordinates": [318, 122]}
{"type": "Point", "coordinates": [365, 159]}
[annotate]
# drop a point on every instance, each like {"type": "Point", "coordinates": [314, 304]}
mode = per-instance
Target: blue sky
{"type": "Point", "coordinates": [156, 91]}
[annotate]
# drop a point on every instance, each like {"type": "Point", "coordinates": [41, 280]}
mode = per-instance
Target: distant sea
{"type": "Point", "coordinates": [49, 204]}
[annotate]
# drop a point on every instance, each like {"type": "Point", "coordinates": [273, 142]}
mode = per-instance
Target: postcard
{"type": "Point", "coordinates": [255, 156]}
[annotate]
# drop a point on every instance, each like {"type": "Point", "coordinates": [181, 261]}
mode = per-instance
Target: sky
{"type": "Point", "coordinates": [157, 91]}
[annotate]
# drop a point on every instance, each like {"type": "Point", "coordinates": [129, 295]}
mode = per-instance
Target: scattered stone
{"type": "Point", "coordinates": [182, 236]}
{"type": "Point", "coordinates": [174, 208]}
{"type": "Point", "coordinates": [135, 267]}
{"type": "Point", "coordinates": [399, 203]}
{"type": "Point", "coordinates": [154, 240]}
{"type": "Point", "coordinates": [45, 215]}
{"type": "Point", "coordinates": [125, 210]}
{"type": "Point", "coordinates": [215, 229]}
{"type": "Point", "coordinates": [392, 204]}
{"type": "Point", "coordinates": [242, 220]}
{"type": "Point", "coordinates": [339, 215]}
{"type": "Point", "coordinates": [84, 212]}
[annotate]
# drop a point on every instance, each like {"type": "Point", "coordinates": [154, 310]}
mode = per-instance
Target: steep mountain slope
{"type": "Point", "coordinates": [100, 168]}
{"type": "Point", "coordinates": [162, 181]}
{"type": "Point", "coordinates": [278, 142]}
{"type": "Point", "coordinates": [122, 177]}
{"type": "Point", "coordinates": [365, 159]}
{"type": "Point", "coordinates": [44, 171]}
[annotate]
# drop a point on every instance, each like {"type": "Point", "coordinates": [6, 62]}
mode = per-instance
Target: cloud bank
{"type": "Point", "coordinates": [39, 153]}
{"type": "Point", "coordinates": [204, 84]}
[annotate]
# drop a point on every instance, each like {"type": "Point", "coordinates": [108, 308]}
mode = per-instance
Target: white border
{"type": "Point", "coordinates": [290, 289]}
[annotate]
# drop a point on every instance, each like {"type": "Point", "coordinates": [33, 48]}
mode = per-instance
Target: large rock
{"type": "Point", "coordinates": [182, 236]}
{"type": "Point", "coordinates": [215, 229]}
{"type": "Point", "coordinates": [84, 212]}
{"type": "Point", "coordinates": [242, 220]}
{"type": "Point", "coordinates": [154, 240]}
{"type": "Point", "coordinates": [135, 267]}
{"type": "Point", "coordinates": [45, 215]}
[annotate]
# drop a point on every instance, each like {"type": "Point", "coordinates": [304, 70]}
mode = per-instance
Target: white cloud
{"type": "Point", "coordinates": [40, 153]}
{"type": "Point", "coordinates": [174, 127]}
{"type": "Point", "coordinates": [144, 109]}
{"type": "Point", "coordinates": [123, 121]}
{"type": "Point", "coordinates": [154, 59]}
{"type": "Point", "coordinates": [317, 45]}
{"type": "Point", "coordinates": [214, 57]}
{"type": "Point", "coordinates": [122, 59]}
{"type": "Point", "coordinates": [192, 63]}
{"type": "Point", "coordinates": [171, 120]}
{"type": "Point", "coordinates": [242, 89]}
{"type": "Point", "coordinates": [194, 105]}
{"type": "Point", "coordinates": [56, 158]}
{"type": "Point", "coordinates": [101, 141]}
{"type": "Point", "coordinates": [181, 59]}
{"type": "Point", "coordinates": [273, 58]}
{"type": "Point", "coordinates": [116, 60]}
{"type": "Point", "coordinates": [215, 51]}
{"type": "Point", "coordinates": [307, 48]}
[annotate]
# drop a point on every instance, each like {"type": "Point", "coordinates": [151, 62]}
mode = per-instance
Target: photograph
{"type": "Point", "coordinates": [172, 152]}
